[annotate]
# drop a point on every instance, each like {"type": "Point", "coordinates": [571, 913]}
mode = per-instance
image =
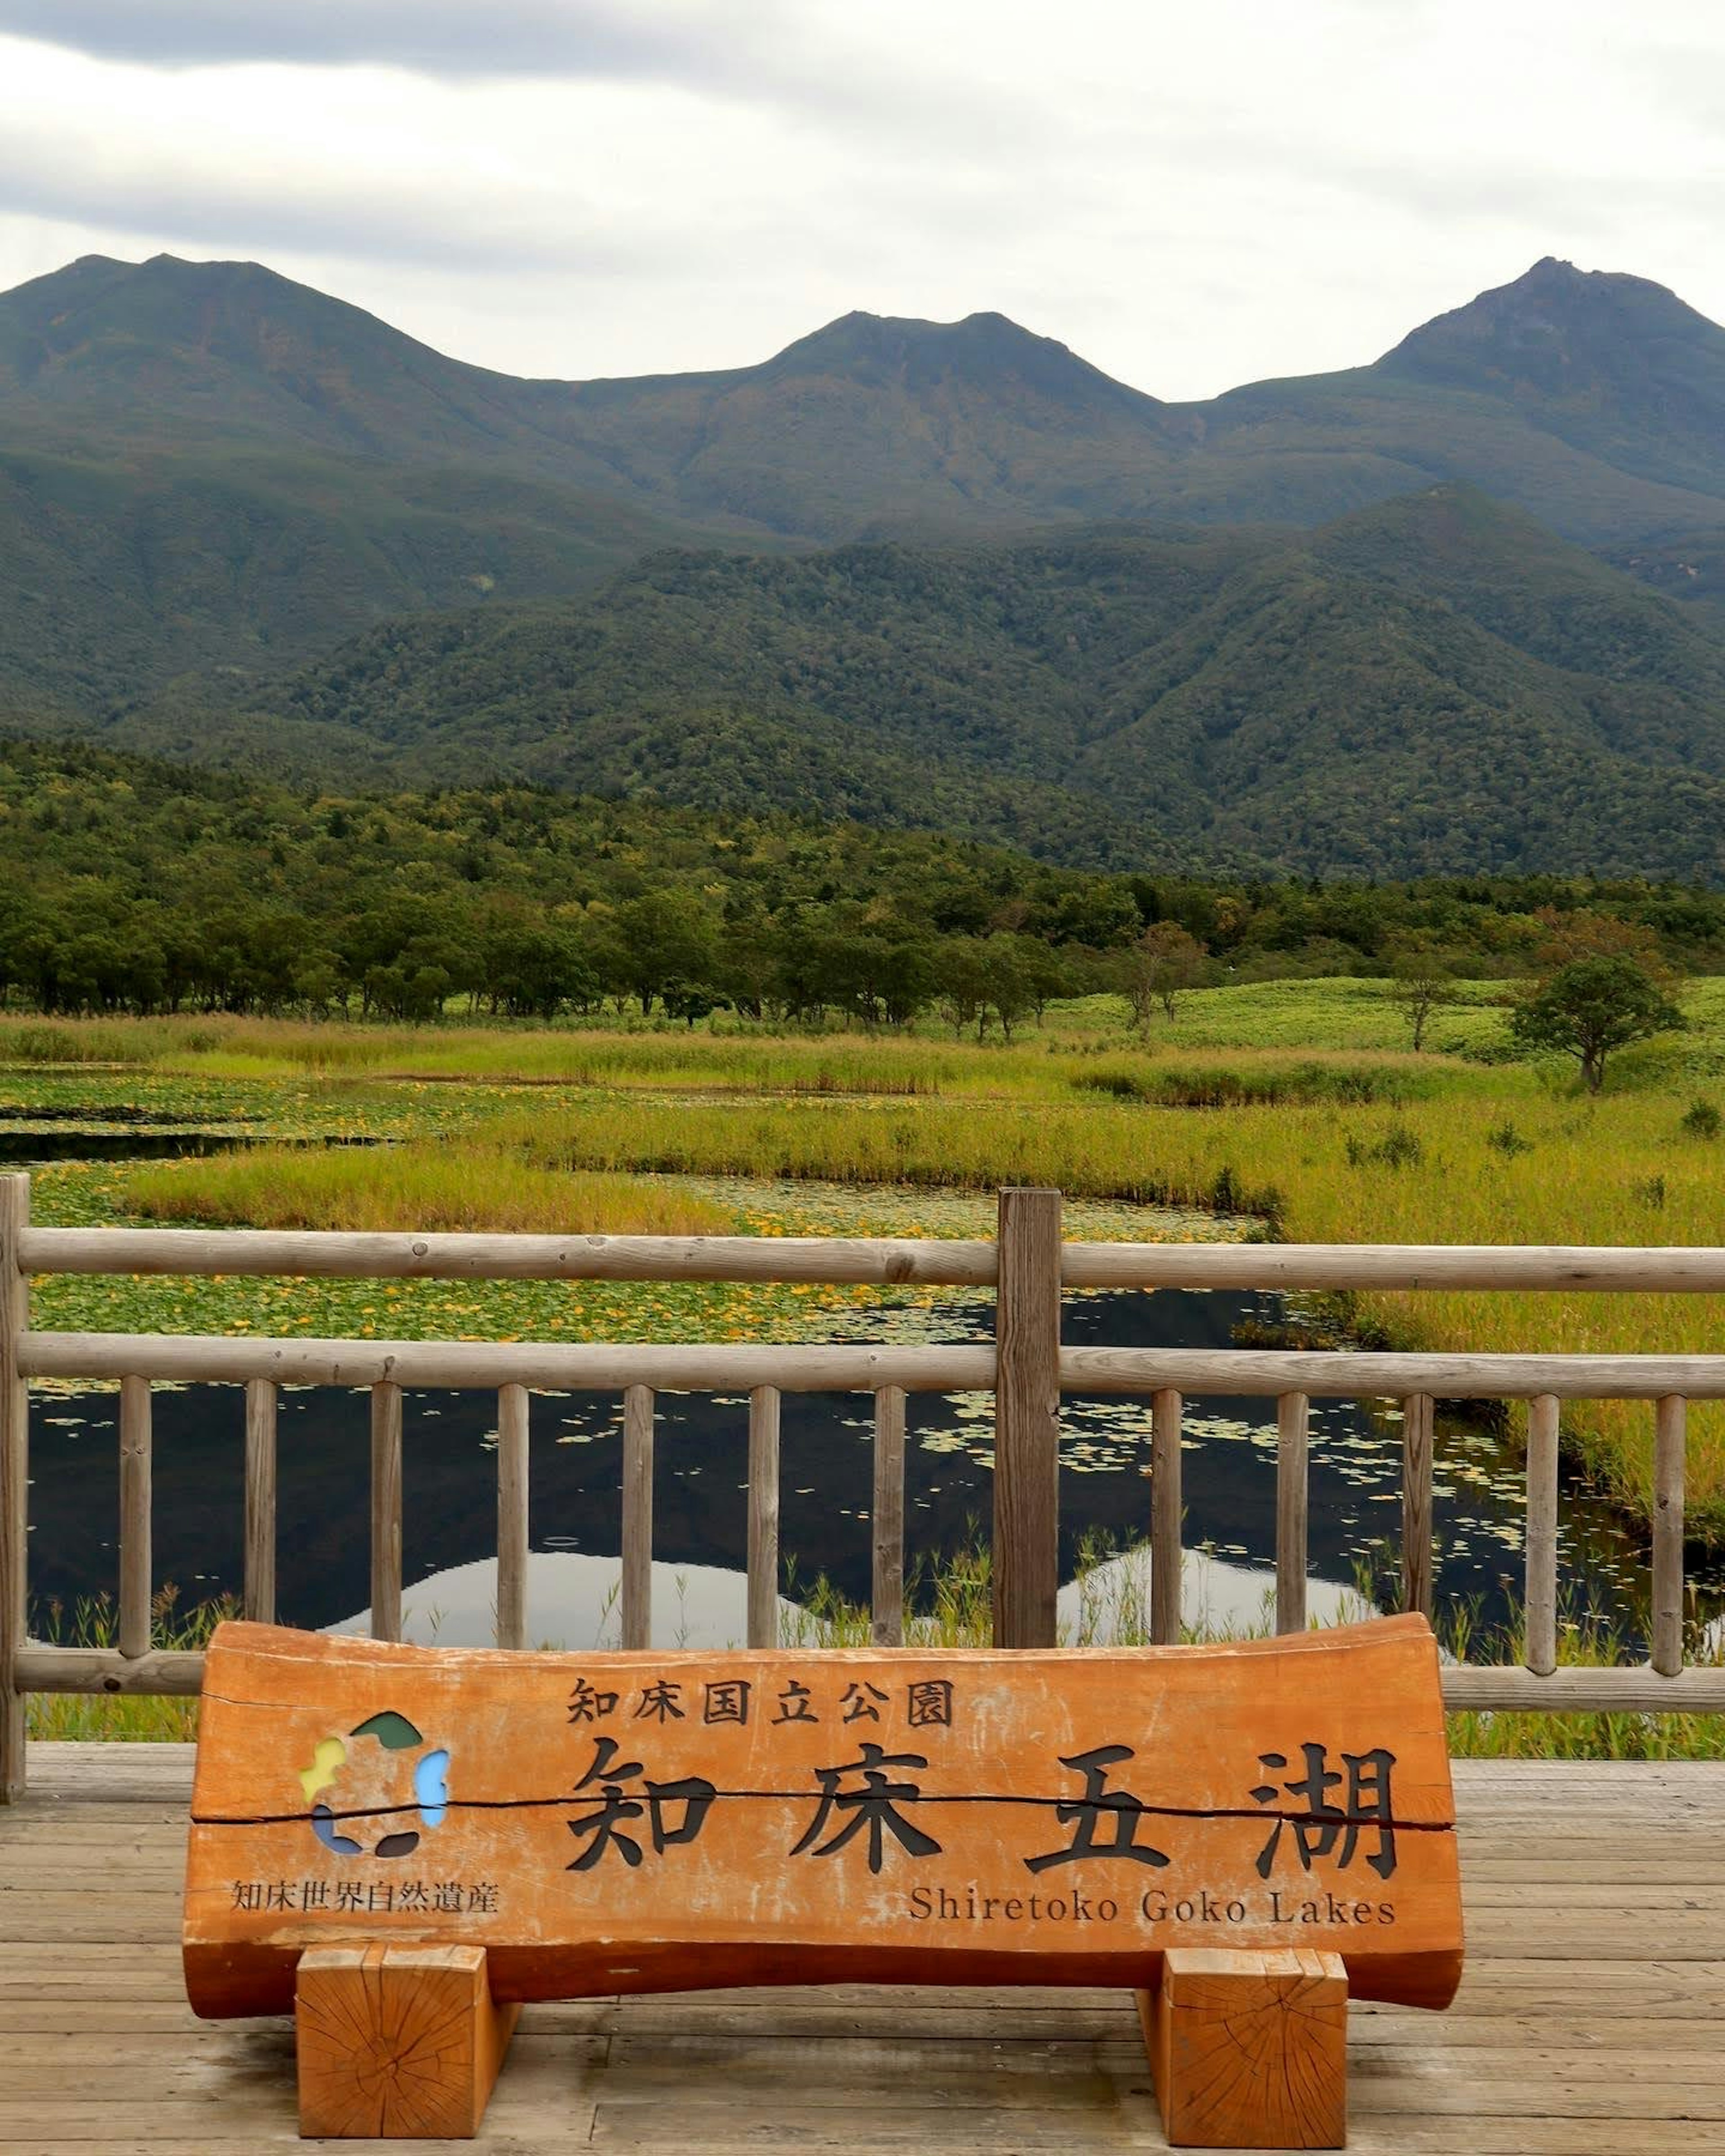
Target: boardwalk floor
{"type": "Point", "coordinates": [1592, 2017]}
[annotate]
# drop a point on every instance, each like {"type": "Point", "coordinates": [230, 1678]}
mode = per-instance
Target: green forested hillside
{"type": "Point", "coordinates": [128, 884]}
{"type": "Point", "coordinates": [1434, 686]}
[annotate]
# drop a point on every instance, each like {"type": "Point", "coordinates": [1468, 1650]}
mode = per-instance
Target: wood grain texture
{"type": "Point", "coordinates": [396, 2042]}
{"type": "Point", "coordinates": [1671, 1423]}
{"type": "Point", "coordinates": [1293, 1423]}
{"type": "Point", "coordinates": [1541, 1604]}
{"type": "Point", "coordinates": [259, 1576]}
{"type": "Point", "coordinates": [1346, 1375]}
{"type": "Point", "coordinates": [386, 1511]}
{"type": "Point", "coordinates": [1602, 1269]}
{"type": "Point", "coordinates": [1027, 1419]}
{"type": "Point", "coordinates": [1250, 2050]}
{"type": "Point", "coordinates": [1044, 1816]}
{"type": "Point", "coordinates": [489, 1364]}
{"type": "Point", "coordinates": [1166, 1517]}
{"type": "Point", "coordinates": [1580, 1268]}
{"type": "Point", "coordinates": [887, 1623]}
{"type": "Point", "coordinates": [635, 1616]}
{"type": "Point", "coordinates": [14, 1477]}
{"type": "Point", "coordinates": [336, 1255]}
{"type": "Point", "coordinates": [1416, 1502]}
{"type": "Point", "coordinates": [136, 1581]}
{"type": "Point", "coordinates": [512, 1516]}
{"type": "Point", "coordinates": [1589, 2037]}
{"type": "Point", "coordinates": [764, 1516]}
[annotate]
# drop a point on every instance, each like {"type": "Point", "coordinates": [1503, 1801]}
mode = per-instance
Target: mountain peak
{"type": "Point", "coordinates": [1557, 331]}
{"type": "Point", "coordinates": [986, 350]}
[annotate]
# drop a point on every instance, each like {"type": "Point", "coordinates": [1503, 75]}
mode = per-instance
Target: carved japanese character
{"type": "Point", "coordinates": [588, 1704]}
{"type": "Point", "coordinates": [727, 1700]}
{"type": "Point", "coordinates": [875, 1806]}
{"type": "Point", "coordinates": [931, 1704]}
{"type": "Point", "coordinates": [1332, 1829]}
{"type": "Point", "coordinates": [1086, 1815]}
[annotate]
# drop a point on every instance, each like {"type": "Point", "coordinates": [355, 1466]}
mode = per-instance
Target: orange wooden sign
{"type": "Point", "coordinates": [653, 1822]}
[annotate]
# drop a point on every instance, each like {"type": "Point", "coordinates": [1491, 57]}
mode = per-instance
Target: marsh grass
{"type": "Point", "coordinates": [455, 1188]}
{"type": "Point", "coordinates": [948, 1604]}
{"type": "Point", "coordinates": [120, 1717]}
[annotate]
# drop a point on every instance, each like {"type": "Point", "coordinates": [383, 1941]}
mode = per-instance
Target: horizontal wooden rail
{"type": "Point", "coordinates": [882, 1261]}
{"type": "Point", "coordinates": [161, 1674]}
{"type": "Point", "coordinates": [455, 1365]}
{"type": "Point", "coordinates": [317, 1253]}
{"type": "Point", "coordinates": [1241, 1372]}
{"type": "Point", "coordinates": [1602, 1270]}
{"type": "Point", "coordinates": [1640, 1690]}
{"type": "Point", "coordinates": [1636, 1690]}
{"type": "Point", "coordinates": [612, 1366]}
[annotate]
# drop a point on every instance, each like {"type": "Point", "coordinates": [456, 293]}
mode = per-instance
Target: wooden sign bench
{"type": "Point", "coordinates": [400, 1845]}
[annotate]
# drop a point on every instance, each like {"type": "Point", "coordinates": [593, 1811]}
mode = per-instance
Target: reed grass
{"type": "Point", "coordinates": [121, 1718]}
{"type": "Point", "coordinates": [449, 1188]}
{"type": "Point", "coordinates": [949, 1604]}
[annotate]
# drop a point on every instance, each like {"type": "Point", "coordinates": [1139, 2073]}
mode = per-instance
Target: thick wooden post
{"type": "Point", "coordinates": [1027, 1419]}
{"type": "Point", "coordinates": [1250, 2050]}
{"type": "Point", "coordinates": [397, 2041]}
{"type": "Point", "coordinates": [14, 1477]}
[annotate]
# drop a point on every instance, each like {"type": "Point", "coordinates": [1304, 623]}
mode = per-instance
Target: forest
{"type": "Point", "coordinates": [129, 886]}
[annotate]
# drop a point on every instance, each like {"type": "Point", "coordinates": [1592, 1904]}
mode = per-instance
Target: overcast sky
{"type": "Point", "coordinates": [1192, 195]}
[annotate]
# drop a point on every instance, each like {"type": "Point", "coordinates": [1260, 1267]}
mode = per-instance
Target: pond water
{"type": "Point", "coordinates": [700, 1493]}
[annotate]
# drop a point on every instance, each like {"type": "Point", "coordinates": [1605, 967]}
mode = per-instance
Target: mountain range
{"type": "Point", "coordinates": [1460, 607]}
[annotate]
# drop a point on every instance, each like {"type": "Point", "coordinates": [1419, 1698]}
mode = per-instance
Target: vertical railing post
{"type": "Point", "coordinates": [1167, 1561]}
{"type": "Point", "coordinates": [512, 1499]}
{"type": "Point", "coordinates": [259, 1576]}
{"type": "Point", "coordinates": [1027, 1418]}
{"type": "Point", "coordinates": [14, 1477]}
{"type": "Point", "coordinates": [1293, 1423]}
{"type": "Point", "coordinates": [1416, 1503]}
{"type": "Point", "coordinates": [636, 1616]}
{"type": "Point", "coordinates": [764, 1516]}
{"type": "Point", "coordinates": [1669, 1431]}
{"type": "Point", "coordinates": [1540, 1591]}
{"type": "Point", "coordinates": [386, 1511]}
{"type": "Point", "coordinates": [887, 1621]}
{"type": "Point", "coordinates": [136, 1561]}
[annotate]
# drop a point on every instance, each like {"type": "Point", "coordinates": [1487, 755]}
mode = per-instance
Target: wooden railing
{"type": "Point", "coordinates": [1027, 1369]}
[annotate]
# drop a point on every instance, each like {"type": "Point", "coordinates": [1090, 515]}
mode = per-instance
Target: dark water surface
{"type": "Point", "coordinates": [700, 1493]}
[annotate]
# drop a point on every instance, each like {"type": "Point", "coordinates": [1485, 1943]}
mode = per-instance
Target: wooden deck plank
{"type": "Point", "coordinates": [1592, 2014]}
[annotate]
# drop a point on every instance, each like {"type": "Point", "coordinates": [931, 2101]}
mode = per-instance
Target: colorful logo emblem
{"type": "Point", "coordinates": [335, 1759]}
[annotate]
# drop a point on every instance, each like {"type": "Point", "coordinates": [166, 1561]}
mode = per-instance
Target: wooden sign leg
{"type": "Point", "coordinates": [397, 2040]}
{"type": "Point", "coordinates": [1250, 2050]}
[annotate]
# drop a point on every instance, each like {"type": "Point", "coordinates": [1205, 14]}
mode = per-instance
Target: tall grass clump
{"type": "Point", "coordinates": [121, 1718]}
{"type": "Point", "coordinates": [452, 1188]}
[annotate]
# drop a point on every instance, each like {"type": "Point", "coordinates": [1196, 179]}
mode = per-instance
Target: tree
{"type": "Point", "coordinates": [1164, 961]}
{"type": "Point", "coordinates": [1590, 1007]}
{"type": "Point", "coordinates": [1422, 971]}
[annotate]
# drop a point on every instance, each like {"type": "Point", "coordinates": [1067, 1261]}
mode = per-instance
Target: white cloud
{"type": "Point", "coordinates": [1190, 198]}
